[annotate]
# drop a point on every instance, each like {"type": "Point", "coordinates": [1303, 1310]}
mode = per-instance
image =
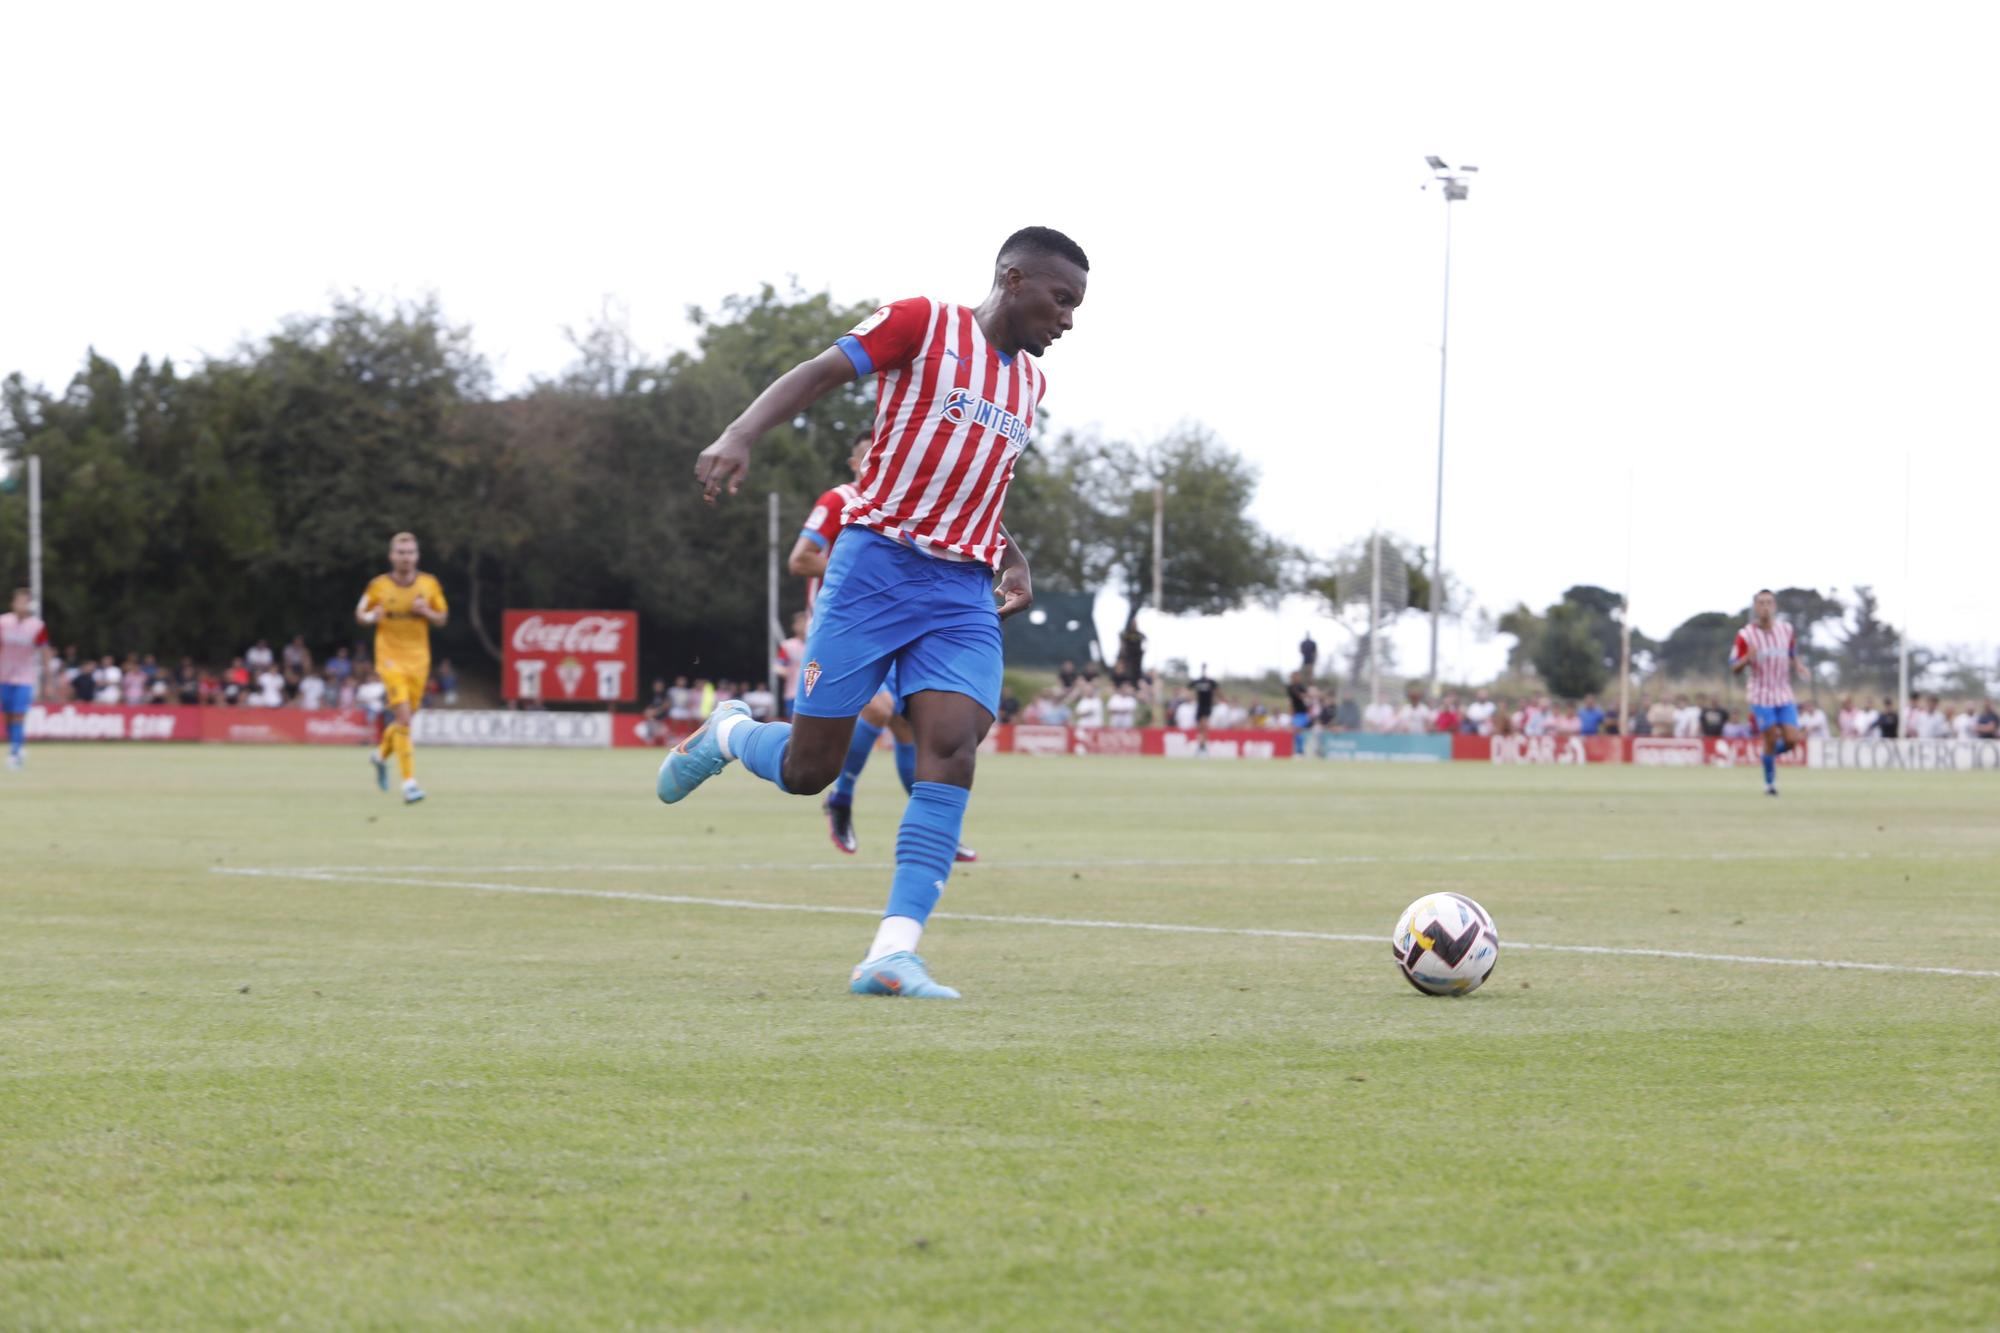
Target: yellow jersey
{"type": "Point", "coordinates": [402, 637]}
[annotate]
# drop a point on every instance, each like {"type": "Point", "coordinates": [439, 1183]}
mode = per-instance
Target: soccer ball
{"type": "Point", "coordinates": [1445, 944]}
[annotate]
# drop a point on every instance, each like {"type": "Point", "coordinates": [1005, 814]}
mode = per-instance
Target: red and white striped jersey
{"type": "Point", "coordinates": [951, 415]}
{"type": "Point", "coordinates": [1768, 679]}
{"type": "Point", "coordinates": [822, 525]}
{"type": "Point", "coordinates": [21, 641]}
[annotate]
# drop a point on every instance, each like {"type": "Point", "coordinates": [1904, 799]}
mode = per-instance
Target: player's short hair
{"type": "Point", "coordinates": [28, 593]}
{"type": "Point", "coordinates": [401, 535]}
{"type": "Point", "coordinates": [866, 435]}
{"type": "Point", "coordinates": [1762, 592]}
{"type": "Point", "coordinates": [1043, 241]}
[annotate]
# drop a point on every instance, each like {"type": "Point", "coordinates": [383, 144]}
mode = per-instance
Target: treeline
{"type": "Point", "coordinates": [195, 510]}
{"type": "Point", "coordinates": [1574, 644]}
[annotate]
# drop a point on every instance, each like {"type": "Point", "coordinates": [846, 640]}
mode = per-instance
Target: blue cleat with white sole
{"type": "Point", "coordinates": [381, 769]}
{"type": "Point", "coordinates": [900, 975]}
{"type": "Point", "coordinates": [698, 758]}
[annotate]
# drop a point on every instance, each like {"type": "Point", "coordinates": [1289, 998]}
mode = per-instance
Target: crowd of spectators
{"type": "Point", "coordinates": [258, 678]}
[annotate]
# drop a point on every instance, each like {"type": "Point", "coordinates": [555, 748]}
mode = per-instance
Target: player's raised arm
{"type": "Point", "coordinates": [724, 463]}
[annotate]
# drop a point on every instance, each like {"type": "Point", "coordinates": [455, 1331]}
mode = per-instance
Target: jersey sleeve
{"type": "Point", "coordinates": [435, 592]}
{"type": "Point", "coordinates": [372, 594]}
{"type": "Point", "coordinates": [888, 338]}
{"type": "Point", "coordinates": [822, 525]}
{"type": "Point", "coordinates": [1739, 650]}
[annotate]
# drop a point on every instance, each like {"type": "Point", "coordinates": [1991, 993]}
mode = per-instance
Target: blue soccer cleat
{"type": "Point", "coordinates": [381, 769]}
{"type": "Point", "coordinates": [698, 758]}
{"type": "Point", "coordinates": [899, 974]}
{"type": "Point", "coordinates": [412, 793]}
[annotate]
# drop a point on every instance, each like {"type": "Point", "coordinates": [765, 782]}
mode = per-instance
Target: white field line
{"type": "Point", "coordinates": [365, 877]}
{"type": "Point", "coordinates": [667, 867]}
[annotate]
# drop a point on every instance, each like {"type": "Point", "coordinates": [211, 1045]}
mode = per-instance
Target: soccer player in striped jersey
{"type": "Point", "coordinates": [913, 586]}
{"type": "Point", "coordinates": [810, 553]}
{"type": "Point", "coordinates": [24, 650]}
{"type": "Point", "coordinates": [1766, 654]}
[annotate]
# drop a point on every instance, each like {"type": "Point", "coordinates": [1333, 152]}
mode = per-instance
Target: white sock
{"type": "Point", "coordinates": [896, 934]}
{"type": "Point", "coordinates": [722, 730]}
{"type": "Point", "coordinates": [409, 784]}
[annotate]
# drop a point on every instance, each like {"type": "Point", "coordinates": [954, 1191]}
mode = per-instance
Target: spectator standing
{"type": "Point", "coordinates": [270, 688]}
{"type": "Point", "coordinates": [680, 701]}
{"type": "Point", "coordinates": [1480, 713]}
{"type": "Point", "coordinates": [1066, 675]}
{"type": "Point", "coordinates": [1298, 699]}
{"type": "Point", "coordinates": [1987, 728]}
{"type": "Point", "coordinates": [1206, 692]}
{"type": "Point", "coordinates": [1660, 717]}
{"type": "Point", "coordinates": [339, 670]}
{"type": "Point", "coordinates": [1446, 719]}
{"type": "Point", "coordinates": [447, 683]}
{"type": "Point", "coordinates": [1590, 718]}
{"type": "Point", "coordinates": [1937, 727]}
{"type": "Point", "coordinates": [1010, 705]}
{"type": "Point", "coordinates": [1308, 655]}
{"type": "Point", "coordinates": [1123, 710]}
{"type": "Point", "coordinates": [1687, 718]}
{"type": "Point", "coordinates": [1964, 725]}
{"type": "Point", "coordinates": [370, 694]}
{"type": "Point", "coordinates": [312, 691]}
{"type": "Point", "coordinates": [1813, 723]}
{"type": "Point", "coordinates": [132, 682]}
{"type": "Point", "coordinates": [1886, 724]}
{"type": "Point", "coordinates": [1917, 719]}
{"type": "Point", "coordinates": [762, 703]}
{"type": "Point", "coordinates": [1090, 710]}
{"type": "Point", "coordinates": [298, 659]}
{"type": "Point", "coordinates": [259, 656]}
{"type": "Point", "coordinates": [187, 682]}
{"type": "Point", "coordinates": [1714, 717]}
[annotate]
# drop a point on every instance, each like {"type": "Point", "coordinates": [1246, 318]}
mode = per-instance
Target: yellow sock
{"type": "Point", "coordinates": [388, 745]}
{"type": "Point", "coordinates": [406, 757]}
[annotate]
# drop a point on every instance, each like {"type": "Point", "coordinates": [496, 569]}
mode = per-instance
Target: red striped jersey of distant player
{"type": "Point", "coordinates": [952, 413]}
{"type": "Point", "coordinates": [1770, 653]}
{"type": "Point", "coordinates": [22, 639]}
{"type": "Point", "coordinates": [823, 525]}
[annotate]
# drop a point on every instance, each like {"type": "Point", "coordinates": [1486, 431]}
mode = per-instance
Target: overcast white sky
{"type": "Point", "coordinates": [1741, 256]}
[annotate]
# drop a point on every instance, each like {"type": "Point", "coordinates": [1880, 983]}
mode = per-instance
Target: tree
{"type": "Point", "coordinates": [1527, 629]}
{"type": "Point", "coordinates": [1699, 645]}
{"type": "Point", "coordinates": [1869, 650]}
{"type": "Point", "coordinates": [1569, 657]}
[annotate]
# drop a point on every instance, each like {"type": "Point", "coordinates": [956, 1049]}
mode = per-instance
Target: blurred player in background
{"type": "Point", "coordinates": [914, 586]}
{"type": "Point", "coordinates": [809, 556]}
{"type": "Point", "coordinates": [404, 606]}
{"type": "Point", "coordinates": [1768, 651]}
{"type": "Point", "coordinates": [1206, 691]}
{"type": "Point", "coordinates": [24, 648]}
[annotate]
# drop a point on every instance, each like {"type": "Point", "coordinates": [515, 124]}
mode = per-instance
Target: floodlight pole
{"type": "Point", "coordinates": [773, 630]}
{"type": "Point", "coordinates": [1455, 190]}
{"type": "Point", "coordinates": [35, 533]}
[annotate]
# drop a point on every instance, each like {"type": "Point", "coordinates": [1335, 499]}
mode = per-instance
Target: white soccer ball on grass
{"type": "Point", "coordinates": [1445, 944]}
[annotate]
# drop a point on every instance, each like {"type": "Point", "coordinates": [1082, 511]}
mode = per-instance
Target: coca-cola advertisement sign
{"type": "Point", "coordinates": [570, 656]}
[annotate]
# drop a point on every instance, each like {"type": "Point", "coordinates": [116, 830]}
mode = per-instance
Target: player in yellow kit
{"type": "Point", "coordinates": [403, 606]}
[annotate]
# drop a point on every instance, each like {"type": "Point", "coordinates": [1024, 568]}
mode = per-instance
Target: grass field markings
{"type": "Point", "coordinates": [1168, 863]}
{"type": "Point", "coordinates": [363, 877]}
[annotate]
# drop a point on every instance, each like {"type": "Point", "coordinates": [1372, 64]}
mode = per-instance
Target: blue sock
{"type": "Point", "coordinates": [925, 847]}
{"type": "Point", "coordinates": [858, 751]}
{"type": "Point", "coordinates": [17, 735]}
{"type": "Point", "coordinates": [1770, 770]}
{"type": "Point", "coordinates": [1781, 746]}
{"type": "Point", "coordinates": [761, 747]}
{"type": "Point", "coordinates": [906, 765]}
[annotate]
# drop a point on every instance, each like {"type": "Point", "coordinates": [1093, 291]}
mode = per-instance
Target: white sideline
{"type": "Point", "coordinates": [1146, 863]}
{"type": "Point", "coordinates": [358, 875]}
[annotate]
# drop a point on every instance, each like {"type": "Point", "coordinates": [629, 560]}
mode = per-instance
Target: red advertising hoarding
{"type": "Point", "coordinates": [570, 656]}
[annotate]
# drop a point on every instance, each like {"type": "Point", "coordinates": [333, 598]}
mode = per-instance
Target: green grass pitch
{"type": "Point", "coordinates": [393, 1092]}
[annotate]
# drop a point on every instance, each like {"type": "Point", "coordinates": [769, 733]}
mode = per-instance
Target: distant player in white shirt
{"type": "Point", "coordinates": [1766, 654]}
{"type": "Point", "coordinates": [24, 646]}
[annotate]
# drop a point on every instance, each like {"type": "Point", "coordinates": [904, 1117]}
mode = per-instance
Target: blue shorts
{"type": "Point", "coordinates": [1781, 715]}
{"type": "Point", "coordinates": [16, 698]}
{"type": "Point", "coordinates": [888, 607]}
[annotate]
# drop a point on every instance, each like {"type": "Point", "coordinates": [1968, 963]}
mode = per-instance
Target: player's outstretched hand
{"type": "Point", "coordinates": [723, 463]}
{"type": "Point", "coordinates": [1015, 590]}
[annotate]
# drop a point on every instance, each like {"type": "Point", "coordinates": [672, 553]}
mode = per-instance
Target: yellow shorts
{"type": "Point", "coordinates": [404, 687]}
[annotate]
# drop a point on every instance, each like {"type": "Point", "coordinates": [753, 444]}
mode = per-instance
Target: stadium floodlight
{"type": "Point", "coordinates": [1456, 188]}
